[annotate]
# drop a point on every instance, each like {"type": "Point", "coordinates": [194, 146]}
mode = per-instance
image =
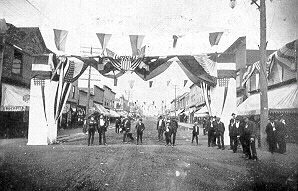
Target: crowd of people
{"type": "Point", "coordinates": [243, 131]}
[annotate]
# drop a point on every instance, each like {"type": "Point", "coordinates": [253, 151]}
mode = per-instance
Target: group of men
{"type": "Point", "coordinates": [276, 135]}
{"type": "Point", "coordinates": [96, 123]}
{"type": "Point", "coordinates": [168, 127]}
{"type": "Point", "coordinates": [216, 130]}
{"type": "Point", "coordinates": [123, 125]}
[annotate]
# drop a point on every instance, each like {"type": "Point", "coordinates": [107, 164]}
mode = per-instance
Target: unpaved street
{"type": "Point", "coordinates": [73, 165]}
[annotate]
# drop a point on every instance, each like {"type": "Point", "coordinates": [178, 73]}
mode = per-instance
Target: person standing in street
{"type": "Point", "coordinates": [168, 133]}
{"type": "Point", "coordinates": [281, 134]}
{"type": "Point", "coordinates": [232, 122]}
{"type": "Point", "coordinates": [140, 127]}
{"type": "Point", "coordinates": [102, 128]}
{"type": "Point", "coordinates": [174, 128]}
{"type": "Point", "coordinates": [117, 125]}
{"type": "Point", "coordinates": [234, 133]}
{"type": "Point", "coordinates": [126, 130]}
{"type": "Point", "coordinates": [195, 133]}
{"type": "Point", "coordinates": [211, 131]}
{"type": "Point", "coordinates": [160, 128]}
{"type": "Point", "coordinates": [91, 129]}
{"type": "Point", "coordinates": [271, 135]}
{"type": "Point", "coordinates": [250, 139]}
{"type": "Point", "coordinates": [220, 130]}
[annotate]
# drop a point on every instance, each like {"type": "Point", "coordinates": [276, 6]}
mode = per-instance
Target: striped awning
{"type": "Point", "coordinates": [287, 55]}
{"type": "Point", "coordinates": [99, 108]}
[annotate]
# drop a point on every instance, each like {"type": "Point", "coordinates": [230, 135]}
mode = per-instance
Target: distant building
{"type": "Point", "coordinates": [109, 98]}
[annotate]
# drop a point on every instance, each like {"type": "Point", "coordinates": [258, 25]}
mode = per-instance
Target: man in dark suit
{"type": "Point", "coordinates": [140, 127]}
{"type": "Point", "coordinates": [250, 139]}
{"type": "Point", "coordinates": [232, 122]}
{"type": "Point", "coordinates": [102, 128]}
{"type": "Point", "coordinates": [195, 133]}
{"type": "Point", "coordinates": [220, 130]}
{"type": "Point", "coordinates": [91, 129]}
{"type": "Point", "coordinates": [234, 133]}
{"type": "Point", "coordinates": [271, 135]}
{"type": "Point", "coordinates": [211, 131]}
{"type": "Point", "coordinates": [117, 125]}
{"type": "Point", "coordinates": [160, 128]}
{"type": "Point", "coordinates": [174, 127]}
{"type": "Point", "coordinates": [281, 134]}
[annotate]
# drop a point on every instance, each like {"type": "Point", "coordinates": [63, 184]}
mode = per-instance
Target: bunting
{"type": "Point", "coordinates": [3, 26]}
{"type": "Point", "coordinates": [214, 38]}
{"type": "Point", "coordinates": [60, 39]}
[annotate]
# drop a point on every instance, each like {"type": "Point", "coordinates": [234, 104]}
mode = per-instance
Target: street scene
{"type": "Point", "coordinates": [148, 95]}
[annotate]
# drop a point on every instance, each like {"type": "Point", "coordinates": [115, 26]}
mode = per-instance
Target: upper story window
{"type": "Point", "coordinates": [17, 63]}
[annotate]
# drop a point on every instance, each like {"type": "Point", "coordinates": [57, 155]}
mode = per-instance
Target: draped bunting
{"type": "Point", "coordinates": [287, 55]}
{"type": "Point", "coordinates": [60, 39]}
{"type": "Point", "coordinates": [214, 38]}
{"type": "Point", "coordinates": [104, 40]}
{"type": "Point", "coordinates": [185, 82]}
{"type": "Point", "coordinates": [136, 43]}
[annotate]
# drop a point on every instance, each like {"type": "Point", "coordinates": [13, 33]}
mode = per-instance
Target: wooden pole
{"type": "Point", "coordinates": [263, 77]}
{"type": "Point", "coordinates": [88, 98]}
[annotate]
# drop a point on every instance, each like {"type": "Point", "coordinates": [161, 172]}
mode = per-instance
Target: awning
{"type": "Point", "coordinates": [203, 112]}
{"type": "Point", "coordinates": [99, 108]}
{"type": "Point", "coordinates": [114, 113]}
{"type": "Point", "coordinates": [122, 113]}
{"type": "Point", "coordinates": [280, 100]}
{"type": "Point", "coordinates": [14, 98]}
{"type": "Point", "coordinates": [180, 111]}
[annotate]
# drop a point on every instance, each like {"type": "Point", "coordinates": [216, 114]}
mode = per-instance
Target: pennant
{"type": "Point", "coordinates": [103, 39]}
{"type": "Point", "coordinates": [136, 43]}
{"type": "Point", "coordinates": [185, 82]}
{"type": "Point", "coordinates": [141, 53]}
{"type": "Point", "coordinates": [168, 82]}
{"type": "Point", "coordinates": [115, 81]}
{"type": "Point", "coordinates": [214, 38]}
{"type": "Point", "coordinates": [225, 97]}
{"type": "Point", "coordinates": [175, 37]}
{"type": "Point", "coordinates": [150, 84]}
{"type": "Point", "coordinates": [44, 102]}
{"type": "Point", "coordinates": [60, 39]}
{"type": "Point", "coordinates": [131, 83]}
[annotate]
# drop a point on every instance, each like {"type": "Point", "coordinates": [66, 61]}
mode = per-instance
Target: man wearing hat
{"type": "Point", "coordinates": [234, 133]}
{"type": "Point", "coordinates": [160, 128]}
{"type": "Point", "coordinates": [249, 139]}
{"type": "Point", "coordinates": [220, 130]}
{"type": "Point", "coordinates": [91, 129]}
{"type": "Point", "coordinates": [211, 131]}
{"type": "Point", "coordinates": [140, 127]}
{"type": "Point", "coordinates": [271, 135]}
{"type": "Point", "coordinates": [232, 122]}
{"type": "Point", "coordinates": [102, 128]}
{"type": "Point", "coordinates": [195, 133]}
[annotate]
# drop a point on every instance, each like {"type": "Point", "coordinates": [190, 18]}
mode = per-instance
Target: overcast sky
{"type": "Point", "coordinates": [158, 20]}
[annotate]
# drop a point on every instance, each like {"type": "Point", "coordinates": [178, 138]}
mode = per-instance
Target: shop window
{"type": "Point", "coordinates": [17, 63]}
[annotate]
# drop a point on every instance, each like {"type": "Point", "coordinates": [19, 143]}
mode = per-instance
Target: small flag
{"type": "Point", "coordinates": [185, 82]}
{"type": "Point", "coordinates": [131, 83]}
{"type": "Point", "coordinates": [214, 38]}
{"type": "Point", "coordinates": [136, 43]}
{"type": "Point", "coordinates": [168, 82]}
{"type": "Point", "coordinates": [150, 84]}
{"type": "Point", "coordinates": [175, 37]}
{"type": "Point", "coordinates": [103, 39]}
{"type": "Point", "coordinates": [60, 39]}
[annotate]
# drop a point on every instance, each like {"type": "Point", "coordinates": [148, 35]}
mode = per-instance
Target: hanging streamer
{"type": "Point", "coordinates": [60, 39]}
{"type": "Point", "coordinates": [214, 38]}
{"type": "Point", "coordinates": [115, 81]}
{"type": "Point", "coordinates": [175, 37]}
{"type": "Point", "coordinates": [225, 97]}
{"type": "Point", "coordinates": [168, 82]}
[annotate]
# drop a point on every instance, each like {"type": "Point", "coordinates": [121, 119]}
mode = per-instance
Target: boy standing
{"type": "Point", "coordinates": [140, 127]}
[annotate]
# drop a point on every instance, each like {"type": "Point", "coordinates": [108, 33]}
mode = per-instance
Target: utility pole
{"type": "Point", "coordinates": [88, 97]}
{"type": "Point", "coordinates": [263, 73]}
{"type": "Point", "coordinates": [175, 99]}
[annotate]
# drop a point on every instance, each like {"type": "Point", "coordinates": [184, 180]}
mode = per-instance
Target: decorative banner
{"type": "Point", "coordinates": [131, 83]}
{"type": "Point", "coordinates": [103, 39]}
{"type": "Point", "coordinates": [214, 38]}
{"type": "Point", "coordinates": [136, 43]}
{"type": "Point", "coordinates": [225, 98]}
{"type": "Point", "coordinates": [60, 39]}
{"type": "Point", "coordinates": [150, 84]}
{"type": "Point", "coordinates": [185, 82]}
{"type": "Point", "coordinates": [175, 37]}
{"type": "Point", "coordinates": [168, 82]}
{"type": "Point", "coordinates": [287, 55]}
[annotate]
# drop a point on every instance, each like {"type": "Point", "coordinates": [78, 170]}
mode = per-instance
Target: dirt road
{"type": "Point", "coordinates": [152, 166]}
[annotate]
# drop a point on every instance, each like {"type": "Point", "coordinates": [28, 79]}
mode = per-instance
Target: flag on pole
{"type": "Point", "coordinates": [185, 82]}
{"type": "Point", "coordinates": [214, 38]}
{"type": "Point", "coordinates": [150, 84]}
{"type": "Point", "coordinates": [60, 39]}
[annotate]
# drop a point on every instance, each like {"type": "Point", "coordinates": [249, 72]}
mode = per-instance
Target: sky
{"type": "Point", "coordinates": [158, 20]}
